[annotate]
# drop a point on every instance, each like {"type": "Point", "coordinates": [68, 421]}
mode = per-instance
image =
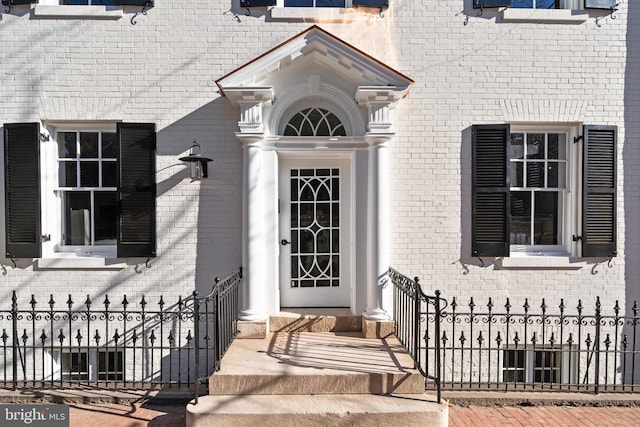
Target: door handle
{"type": "Point", "coordinates": [285, 242]}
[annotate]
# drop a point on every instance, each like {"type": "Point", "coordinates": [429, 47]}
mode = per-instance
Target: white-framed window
{"type": "Point", "coordinates": [314, 121]}
{"type": "Point", "coordinates": [80, 189]}
{"type": "Point", "coordinates": [543, 192]}
{"type": "Point", "coordinates": [110, 365]}
{"type": "Point", "coordinates": [87, 187]}
{"type": "Point", "coordinates": [87, 365]}
{"type": "Point", "coordinates": [539, 365]}
{"type": "Point", "coordinates": [79, 183]}
{"type": "Point", "coordinates": [548, 4]}
{"type": "Point", "coordinates": [315, 3]}
{"type": "Point", "coordinates": [88, 2]}
{"type": "Point", "coordinates": [74, 366]}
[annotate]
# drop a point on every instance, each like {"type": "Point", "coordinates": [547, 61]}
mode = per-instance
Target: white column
{"type": "Point", "coordinates": [378, 293]}
{"type": "Point", "coordinates": [254, 296]}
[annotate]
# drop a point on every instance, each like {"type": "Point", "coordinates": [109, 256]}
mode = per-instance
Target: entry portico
{"type": "Point", "coordinates": [315, 123]}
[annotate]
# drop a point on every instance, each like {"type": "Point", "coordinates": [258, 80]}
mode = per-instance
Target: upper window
{"type": "Point", "coordinates": [525, 197]}
{"type": "Point", "coordinates": [548, 4]}
{"type": "Point", "coordinates": [88, 2]}
{"type": "Point", "coordinates": [90, 192]}
{"type": "Point", "coordinates": [537, 4]}
{"type": "Point", "coordinates": [382, 4]}
{"type": "Point", "coordinates": [315, 3]}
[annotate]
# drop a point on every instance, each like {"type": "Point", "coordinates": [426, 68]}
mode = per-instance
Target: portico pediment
{"type": "Point", "coordinates": [314, 51]}
{"type": "Point", "coordinates": [314, 67]}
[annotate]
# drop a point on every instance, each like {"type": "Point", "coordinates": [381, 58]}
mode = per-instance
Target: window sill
{"type": "Point", "coordinates": [73, 262]}
{"type": "Point", "coordinates": [96, 12]}
{"type": "Point", "coordinates": [324, 14]}
{"type": "Point", "coordinates": [543, 261]}
{"type": "Point", "coordinates": [544, 15]}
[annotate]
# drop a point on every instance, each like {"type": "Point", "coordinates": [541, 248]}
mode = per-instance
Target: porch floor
{"type": "Point", "coordinates": [316, 363]}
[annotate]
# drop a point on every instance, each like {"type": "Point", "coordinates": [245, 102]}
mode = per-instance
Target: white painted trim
{"type": "Point", "coordinates": [543, 261]}
{"type": "Point", "coordinates": [63, 11]}
{"type": "Point", "coordinates": [544, 15]}
{"type": "Point", "coordinates": [73, 262]}
{"type": "Point", "coordinates": [324, 14]}
{"type": "Point", "coordinates": [322, 94]}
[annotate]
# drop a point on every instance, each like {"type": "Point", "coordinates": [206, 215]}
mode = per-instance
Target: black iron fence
{"type": "Point", "coordinates": [575, 346]}
{"type": "Point", "coordinates": [126, 345]}
{"type": "Point", "coordinates": [417, 319]}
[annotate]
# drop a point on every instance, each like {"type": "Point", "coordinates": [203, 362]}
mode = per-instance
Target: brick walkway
{"type": "Point", "coordinates": [119, 415]}
{"type": "Point", "coordinates": [112, 415]}
{"type": "Point", "coordinates": [532, 416]}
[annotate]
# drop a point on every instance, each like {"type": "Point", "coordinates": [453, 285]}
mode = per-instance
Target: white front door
{"type": "Point", "coordinates": [314, 233]}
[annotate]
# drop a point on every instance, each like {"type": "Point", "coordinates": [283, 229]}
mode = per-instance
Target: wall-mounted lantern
{"type": "Point", "coordinates": [197, 161]}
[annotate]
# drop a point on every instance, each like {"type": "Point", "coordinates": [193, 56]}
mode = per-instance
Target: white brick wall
{"type": "Point", "coordinates": [163, 69]}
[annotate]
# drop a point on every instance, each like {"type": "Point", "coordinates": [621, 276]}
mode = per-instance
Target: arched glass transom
{"type": "Point", "coordinates": [314, 122]}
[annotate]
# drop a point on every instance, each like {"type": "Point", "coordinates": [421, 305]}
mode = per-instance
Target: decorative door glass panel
{"type": "Point", "coordinates": [315, 237]}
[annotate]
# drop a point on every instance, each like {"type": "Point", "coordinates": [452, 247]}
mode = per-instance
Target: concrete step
{"type": "Point", "coordinates": [319, 410]}
{"type": "Point", "coordinates": [315, 320]}
{"type": "Point", "coordinates": [316, 363]}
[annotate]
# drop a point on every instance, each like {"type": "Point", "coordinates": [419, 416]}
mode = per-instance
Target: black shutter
{"type": "Point", "coordinates": [601, 4]}
{"type": "Point", "coordinates": [18, 2]}
{"type": "Point", "coordinates": [22, 189]}
{"type": "Point", "coordinates": [382, 4]}
{"type": "Point", "coordinates": [257, 3]}
{"type": "Point", "coordinates": [478, 4]}
{"type": "Point", "coordinates": [599, 179]}
{"type": "Point", "coordinates": [491, 213]}
{"type": "Point", "coordinates": [137, 190]}
{"type": "Point", "coordinates": [147, 3]}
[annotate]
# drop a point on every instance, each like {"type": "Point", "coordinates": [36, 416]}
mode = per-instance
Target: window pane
{"type": "Point", "coordinates": [535, 174]}
{"type": "Point", "coordinates": [513, 359]}
{"type": "Point", "coordinates": [77, 207]}
{"type": "Point", "coordinates": [516, 177]}
{"type": "Point", "coordinates": [109, 174]}
{"type": "Point", "coordinates": [520, 218]}
{"type": "Point", "coordinates": [74, 366]}
{"type": "Point", "coordinates": [89, 174]}
{"type": "Point", "coordinates": [330, 3]}
{"type": "Point", "coordinates": [67, 145]}
{"type": "Point", "coordinates": [298, 3]}
{"type": "Point", "coordinates": [546, 230]}
{"type": "Point", "coordinates": [513, 376]}
{"type": "Point", "coordinates": [538, 4]}
{"type": "Point", "coordinates": [109, 146]}
{"type": "Point", "coordinates": [106, 204]}
{"type": "Point", "coordinates": [535, 146]}
{"type": "Point", "coordinates": [517, 146]}
{"type": "Point", "coordinates": [557, 175]}
{"type": "Point", "coordinates": [89, 145]}
{"type": "Point", "coordinates": [557, 146]}
{"type": "Point", "coordinates": [67, 173]}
